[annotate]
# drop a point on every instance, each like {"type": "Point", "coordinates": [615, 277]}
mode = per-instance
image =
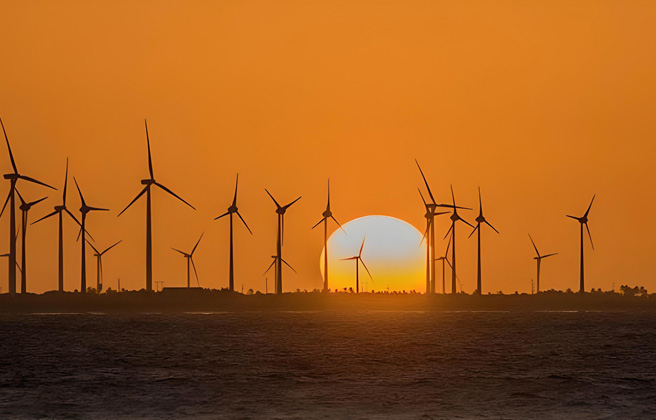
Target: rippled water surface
{"type": "Point", "coordinates": [300, 365]}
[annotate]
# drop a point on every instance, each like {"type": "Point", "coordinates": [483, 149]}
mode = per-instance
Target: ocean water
{"type": "Point", "coordinates": [329, 365]}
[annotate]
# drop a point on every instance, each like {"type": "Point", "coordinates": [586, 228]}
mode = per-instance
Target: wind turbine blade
{"type": "Point", "coordinates": [79, 192]}
{"type": "Point", "coordinates": [365, 267]}
{"type": "Point", "coordinates": [589, 235]}
{"type": "Point", "coordinates": [572, 217]}
{"type": "Point", "coordinates": [328, 205]}
{"type": "Point", "coordinates": [103, 253]}
{"type": "Point", "coordinates": [193, 265]}
{"type": "Point", "coordinates": [244, 222]}
{"type": "Point", "coordinates": [224, 214]}
{"type": "Point", "coordinates": [450, 206]}
{"type": "Point", "coordinates": [196, 246]}
{"type": "Point", "coordinates": [177, 250]}
{"type": "Point", "coordinates": [36, 201]}
{"type": "Point", "coordinates": [288, 265]}
{"type": "Point", "coordinates": [535, 247]}
{"type": "Point", "coordinates": [173, 194]}
{"type": "Point", "coordinates": [493, 228]}
{"type": "Point", "coordinates": [318, 223]}
{"type": "Point", "coordinates": [338, 224]}
{"type": "Point", "coordinates": [45, 217]}
{"type": "Point", "coordinates": [97, 209]}
{"type": "Point", "coordinates": [19, 267]}
{"type": "Point", "coordinates": [92, 247]}
{"type": "Point", "coordinates": [78, 223]}
{"type": "Point", "coordinates": [65, 184]}
{"type": "Point", "coordinates": [478, 226]}
{"type": "Point", "coordinates": [588, 210]}
{"type": "Point", "coordinates": [448, 245]}
{"type": "Point", "coordinates": [480, 202]}
{"type": "Point", "coordinates": [362, 246]}
{"type": "Point", "coordinates": [7, 202]}
{"type": "Point", "coordinates": [267, 270]}
{"type": "Point", "coordinates": [150, 160]}
{"type": "Point", "coordinates": [348, 259]}
{"type": "Point", "coordinates": [463, 220]}
{"type": "Point", "coordinates": [422, 198]}
{"type": "Point", "coordinates": [549, 255]}
{"type": "Point", "coordinates": [234, 199]}
{"type": "Point", "coordinates": [27, 178]}
{"type": "Point", "coordinates": [441, 213]}
{"type": "Point", "coordinates": [135, 199]}
{"type": "Point", "coordinates": [79, 233]}
{"type": "Point", "coordinates": [425, 182]}
{"type": "Point", "coordinates": [290, 204]}
{"type": "Point", "coordinates": [20, 196]}
{"type": "Point", "coordinates": [274, 200]}
{"type": "Point", "coordinates": [453, 196]}
{"type": "Point", "coordinates": [448, 231]}
{"type": "Point", "coordinates": [11, 155]}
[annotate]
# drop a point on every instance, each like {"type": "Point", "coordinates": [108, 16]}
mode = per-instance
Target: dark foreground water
{"type": "Point", "coordinates": [303, 365]}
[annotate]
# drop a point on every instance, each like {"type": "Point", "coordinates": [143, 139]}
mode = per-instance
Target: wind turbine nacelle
{"type": "Point", "coordinates": [327, 213]}
{"type": "Point", "coordinates": [480, 219]}
{"type": "Point", "coordinates": [455, 217]}
{"type": "Point", "coordinates": [60, 208]}
{"type": "Point", "coordinates": [10, 176]}
{"type": "Point", "coordinates": [147, 181]}
{"type": "Point", "coordinates": [232, 209]}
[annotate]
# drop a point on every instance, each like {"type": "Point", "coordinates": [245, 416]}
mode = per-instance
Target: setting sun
{"type": "Point", "coordinates": [392, 252]}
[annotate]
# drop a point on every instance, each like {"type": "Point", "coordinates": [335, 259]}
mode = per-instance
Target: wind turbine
{"type": "Point", "coordinates": [149, 182]}
{"type": "Point", "coordinates": [455, 217]}
{"type": "Point", "coordinates": [445, 259]}
{"type": "Point", "coordinates": [275, 262]}
{"type": "Point", "coordinates": [25, 208]}
{"type": "Point", "coordinates": [13, 178]}
{"type": "Point", "coordinates": [84, 210]}
{"type": "Point", "coordinates": [480, 220]}
{"type": "Point", "coordinates": [539, 259]}
{"type": "Point", "coordinates": [231, 211]}
{"type": "Point", "coordinates": [358, 259]}
{"type": "Point", "coordinates": [431, 209]}
{"type": "Point", "coordinates": [190, 261]}
{"type": "Point", "coordinates": [60, 210]}
{"type": "Point", "coordinates": [327, 214]}
{"type": "Point", "coordinates": [429, 234]}
{"type": "Point", "coordinates": [584, 221]}
{"type": "Point", "coordinates": [99, 270]}
{"type": "Point", "coordinates": [280, 238]}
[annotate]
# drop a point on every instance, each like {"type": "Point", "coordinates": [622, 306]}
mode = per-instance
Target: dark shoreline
{"type": "Point", "coordinates": [218, 301]}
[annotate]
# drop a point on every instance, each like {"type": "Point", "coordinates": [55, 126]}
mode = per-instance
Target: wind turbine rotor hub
{"type": "Point", "coordinates": [480, 219]}
{"type": "Point", "coordinates": [455, 217]}
{"type": "Point", "coordinates": [327, 213]}
{"type": "Point", "coordinates": [280, 211]}
{"type": "Point", "coordinates": [232, 209]}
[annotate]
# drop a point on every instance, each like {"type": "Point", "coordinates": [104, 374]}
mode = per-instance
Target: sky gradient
{"type": "Point", "coordinates": [542, 104]}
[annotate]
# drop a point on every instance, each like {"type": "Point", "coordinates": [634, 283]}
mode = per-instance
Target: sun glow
{"type": "Point", "coordinates": [392, 252]}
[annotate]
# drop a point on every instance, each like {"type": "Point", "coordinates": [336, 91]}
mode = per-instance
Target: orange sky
{"type": "Point", "coordinates": [542, 104]}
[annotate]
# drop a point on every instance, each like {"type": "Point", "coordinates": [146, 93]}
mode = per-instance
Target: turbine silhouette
{"type": "Point", "coordinates": [275, 262]}
{"type": "Point", "coordinates": [190, 260]}
{"type": "Point", "coordinates": [583, 220]}
{"type": "Point", "coordinates": [25, 209]}
{"type": "Point", "coordinates": [539, 259]}
{"type": "Point", "coordinates": [149, 182]}
{"type": "Point", "coordinates": [327, 214]}
{"type": "Point", "coordinates": [429, 235]}
{"type": "Point", "coordinates": [358, 259]}
{"type": "Point", "coordinates": [455, 217]}
{"type": "Point", "coordinates": [61, 210]}
{"type": "Point", "coordinates": [84, 210]}
{"type": "Point", "coordinates": [99, 267]}
{"type": "Point", "coordinates": [280, 210]}
{"type": "Point", "coordinates": [232, 210]}
{"type": "Point", "coordinates": [11, 198]}
{"type": "Point", "coordinates": [480, 220]}
{"type": "Point", "coordinates": [444, 259]}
